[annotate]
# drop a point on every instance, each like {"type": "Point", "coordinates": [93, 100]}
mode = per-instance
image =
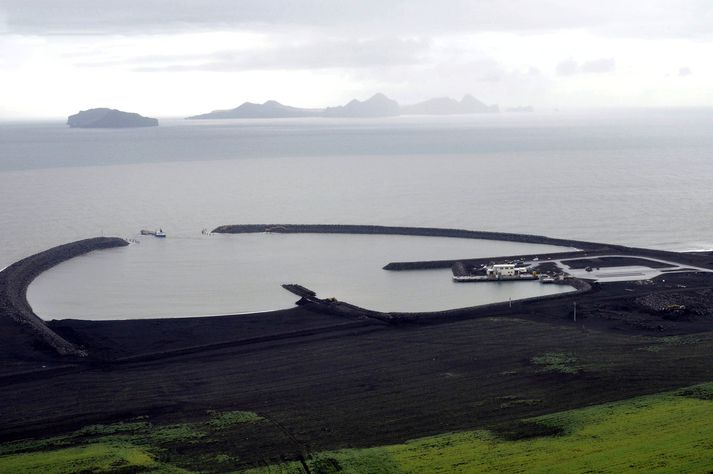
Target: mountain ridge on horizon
{"type": "Point", "coordinates": [104, 117]}
{"type": "Point", "coordinates": [378, 105]}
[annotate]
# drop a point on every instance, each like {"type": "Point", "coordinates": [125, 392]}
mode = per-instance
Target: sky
{"type": "Point", "coordinates": [167, 58]}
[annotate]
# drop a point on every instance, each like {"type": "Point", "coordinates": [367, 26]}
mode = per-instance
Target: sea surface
{"type": "Point", "coordinates": [225, 274]}
{"type": "Point", "coordinates": [636, 177]}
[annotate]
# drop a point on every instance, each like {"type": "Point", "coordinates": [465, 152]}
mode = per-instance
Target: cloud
{"type": "Point", "coordinates": [323, 53]}
{"type": "Point", "coordinates": [598, 66]}
{"type": "Point", "coordinates": [491, 77]}
{"type": "Point", "coordinates": [485, 78]}
{"type": "Point", "coordinates": [570, 67]}
{"type": "Point", "coordinates": [400, 17]}
{"type": "Point", "coordinates": [533, 71]}
{"type": "Point", "coordinates": [684, 71]}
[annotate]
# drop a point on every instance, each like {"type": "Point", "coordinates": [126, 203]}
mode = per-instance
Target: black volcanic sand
{"type": "Point", "coordinates": [346, 380]}
{"type": "Point", "coordinates": [26, 339]}
{"type": "Point", "coordinates": [373, 384]}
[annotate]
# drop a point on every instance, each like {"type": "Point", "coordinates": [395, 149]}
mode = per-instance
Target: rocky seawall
{"type": "Point", "coordinates": [343, 309]}
{"type": "Point", "coordinates": [15, 279]}
{"type": "Point", "coordinates": [458, 265]}
{"type": "Point", "coordinates": [414, 231]}
{"type": "Point", "coordinates": [490, 309]}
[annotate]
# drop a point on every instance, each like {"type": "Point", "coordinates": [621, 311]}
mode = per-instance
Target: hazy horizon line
{"type": "Point", "coordinates": [537, 110]}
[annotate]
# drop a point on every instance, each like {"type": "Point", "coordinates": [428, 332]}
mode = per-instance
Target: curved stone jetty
{"type": "Point", "coordinates": [399, 230]}
{"type": "Point", "coordinates": [15, 279]}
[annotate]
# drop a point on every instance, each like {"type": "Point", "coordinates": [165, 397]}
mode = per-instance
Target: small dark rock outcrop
{"type": "Point", "coordinates": [109, 118]}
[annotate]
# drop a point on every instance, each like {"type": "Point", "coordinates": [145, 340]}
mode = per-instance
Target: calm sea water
{"type": "Point", "coordinates": [224, 274]}
{"type": "Point", "coordinates": [639, 178]}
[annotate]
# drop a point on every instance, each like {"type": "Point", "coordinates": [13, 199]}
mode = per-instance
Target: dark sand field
{"type": "Point", "coordinates": [329, 379]}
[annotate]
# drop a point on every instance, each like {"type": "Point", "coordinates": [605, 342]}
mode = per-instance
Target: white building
{"type": "Point", "coordinates": [500, 270]}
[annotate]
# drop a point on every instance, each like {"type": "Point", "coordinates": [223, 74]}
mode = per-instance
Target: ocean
{"type": "Point", "coordinates": [638, 177]}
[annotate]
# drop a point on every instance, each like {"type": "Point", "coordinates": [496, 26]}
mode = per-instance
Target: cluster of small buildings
{"type": "Point", "coordinates": [508, 272]}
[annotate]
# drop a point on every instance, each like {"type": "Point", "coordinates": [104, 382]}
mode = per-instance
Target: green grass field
{"type": "Point", "coordinates": [671, 432]}
{"type": "Point", "coordinates": [96, 457]}
{"type": "Point", "coordinates": [132, 447]}
{"type": "Point", "coordinates": [668, 432]}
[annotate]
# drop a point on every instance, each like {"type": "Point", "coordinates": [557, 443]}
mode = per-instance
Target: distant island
{"type": "Point", "coordinates": [270, 109]}
{"type": "Point", "coordinates": [378, 105]}
{"type": "Point", "coordinates": [447, 106]}
{"type": "Point", "coordinates": [525, 108]}
{"type": "Point", "coordinates": [109, 118]}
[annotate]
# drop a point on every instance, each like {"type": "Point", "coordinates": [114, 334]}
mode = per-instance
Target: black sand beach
{"type": "Point", "coordinates": [329, 378]}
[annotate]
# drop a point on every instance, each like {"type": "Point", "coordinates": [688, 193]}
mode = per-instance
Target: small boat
{"type": "Point", "coordinates": [155, 233]}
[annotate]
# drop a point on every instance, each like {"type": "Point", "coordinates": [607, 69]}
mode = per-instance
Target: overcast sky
{"type": "Point", "coordinates": [182, 57]}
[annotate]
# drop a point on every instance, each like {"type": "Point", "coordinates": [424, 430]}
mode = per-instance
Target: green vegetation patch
{"type": "Point", "coordinates": [525, 429]}
{"type": "Point", "coordinates": [226, 419]}
{"type": "Point", "coordinates": [94, 458]}
{"type": "Point", "coordinates": [27, 445]}
{"type": "Point", "coordinates": [662, 343]}
{"type": "Point", "coordinates": [557, 362]}
{"type": "Point", "coordinates": [170, 434]}
{"type": "Point", "coordinates": [224, 458]}
{"type": "Point", "coordinates": [654, 434]}
{"type": "Point", "coordinates": [114, 428]}
{"type": "Point", "coordinates": [127, 447]}
{"type": "Point", "coordinates": [510, 401]}
{"type": "Point", "coordinates": [371, 461]}
{"type": "Point", "coordinates": [701, 392]}
{"type": "Point", "coordinates": [668, 432]}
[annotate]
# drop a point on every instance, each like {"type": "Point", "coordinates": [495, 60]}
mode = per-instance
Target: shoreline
{"type": "Point", "coordinates": [405, 230]}
{"type": "Point", "coordinates": [16, 278]}
{"type": "Point", "coordinates": [302, 366]}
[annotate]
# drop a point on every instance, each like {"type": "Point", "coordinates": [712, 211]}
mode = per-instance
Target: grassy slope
{"type": "Point", "coordinates": [670, 432]}
{"type": "Point", "coordinates": [137, 446]}
{"type": "Point", "coordinates": [95, 457]}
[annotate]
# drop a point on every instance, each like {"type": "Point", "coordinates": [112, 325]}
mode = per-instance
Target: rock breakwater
{"type": "Point", "coordinates": [15, 279]}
